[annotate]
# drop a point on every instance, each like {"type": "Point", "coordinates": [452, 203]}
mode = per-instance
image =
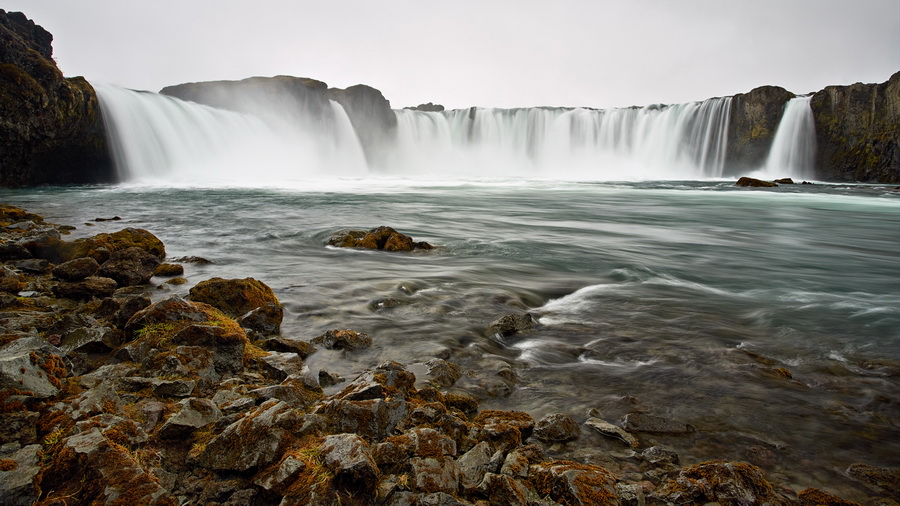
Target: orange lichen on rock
{"type": "Point", "coordinates": [573, 483]}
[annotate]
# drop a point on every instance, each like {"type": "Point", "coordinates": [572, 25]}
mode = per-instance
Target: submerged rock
{"type": "Point", "coordinates": [557, 428]}
{"type": "Point", "coordinates": [510, 324]}
{"type": "Point", "coordinates": [343, 339]}
{"type": "Point", "coordinates": [641, 422]}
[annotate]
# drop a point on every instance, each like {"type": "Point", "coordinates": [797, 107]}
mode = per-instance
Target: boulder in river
{"type": "Point", "coordinates": [754, 183]}
{"type": "Point", "coordinates": [380, 238]}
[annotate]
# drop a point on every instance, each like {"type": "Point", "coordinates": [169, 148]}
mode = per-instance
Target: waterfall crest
{"type": "Point", "coordinates": [655, 142]}
{"type": "Point", "coordinates": [161, 139]}
{"type": "Point", "coordinates": [793, 149]}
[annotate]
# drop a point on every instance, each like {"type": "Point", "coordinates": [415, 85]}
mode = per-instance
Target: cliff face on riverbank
{"type": "Point", "coordinates": [858, 131]}
{"type": "Point", "coordinates": [51, 130]}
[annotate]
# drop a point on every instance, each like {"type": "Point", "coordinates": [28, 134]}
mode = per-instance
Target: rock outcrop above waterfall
{"type": "Point", "coordinates": [301, 100]}
{"type": "Point", "coordinates": [754, 120]}
{"type": "Point", "coordinates": [51, 130]}
{"type": "Point", "coordinates": [858, 131]}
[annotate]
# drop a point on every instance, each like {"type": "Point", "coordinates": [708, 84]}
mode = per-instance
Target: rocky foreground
{"type": "Point", "coordinates": [110, 398]}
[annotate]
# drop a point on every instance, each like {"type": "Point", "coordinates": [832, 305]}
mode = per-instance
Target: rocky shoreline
{"type": "Point", "coordinates": [111, 396]}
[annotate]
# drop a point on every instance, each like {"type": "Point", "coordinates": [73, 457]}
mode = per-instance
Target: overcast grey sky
{"type": "Point", "coordinates": [500, 53]}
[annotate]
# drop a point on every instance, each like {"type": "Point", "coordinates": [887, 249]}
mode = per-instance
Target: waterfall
{"type": "Point", "coordinates": [160, 139]}
{"type": "Point", "coordinates": [793, 149]}
{"type": "Point", "coordinates": [655, 142]}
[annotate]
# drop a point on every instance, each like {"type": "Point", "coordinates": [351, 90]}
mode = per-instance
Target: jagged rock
{"type": "Point", "coordinates": [641, 422]}
{"type": "Point", "coordinates": [343, 339]}
{"type": "Point", "coordinates": [87, 288]}
{"type": "Point", "coordinates": [17, 484]}
{"type": "Point", "coordinates": [572, 483]}
{"type": "Point", "coordinates": [280, 477]}
{"type": "Point", "coordinates": [130, 266]}
{"type": "Point", "coordinates": [33, 265]}
{"type": "Point", "coordinates": [519, 461]}
{"type": "Point", "coordinates": [349, 458]}
{"type": "Point", "coordinates": [557, 428]}
{"type": "Point", "coordinates": [52, 131]}
{"type": "Point", "coordinates": [718, 481]}
{"type": "Point", "coordinates": [17, 426]}
{"type": "Point", "coordinates": [374, 418]}
{"type": "Point", "coordinates": [292, 391]}
{"type": "Point", "coordinates": [90, 458]}
{"type": "Point", "coordinates": [657, 455]}
{"type": "Point", "coordinates": [816, 497]}
{"type": "Point", "coordinates": [505, 489]}
{"type": "Point", "coordinates": [10, 281]}
{"type": "Point", "coordinates": [442, 373]}
{"type": "Point", "coordinates": [755, 183]}
{"type": "Point", "coordinates": [381, 238]}
{"type": "Point", "coordinates": [301, 348]}
{"type": "Point", "coordinates": [256, 440]}
{"type": "Point", "coordinates": [519, 420]}
{"type": "Point", "coordinates": [76, 269]}
{"type": "Point", "coordinates": [101, 398]}
{"type": "Point", "coordinates": [434, 474]}
{"type": "Point", "coordinates": [885, 478]}
{"type": "Point", "coordinates": [13, 251]}
{"type": "Point", "coordinates": [32, 364]}
{"type": "Point", "coordinates": [167, 270]}
{"type": "Point", "coordinates": [474, 464]}
{"type": "Point", "coordinates": [279, 366]}
{"type": "Point", "coordinates": [510, 324]}
{"type": "Point", "coordinates": [193, 413]}
{"type": "Point", "coordinates": [610, 430]}
{"type": "Point", "coordinates": [265, 319]}
{"type": "Point", "coordinates": [128, 308]}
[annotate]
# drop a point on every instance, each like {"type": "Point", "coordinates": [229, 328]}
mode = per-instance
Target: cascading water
{"type": "Point", "coordinates": [659, 142]}
{"type": "Point", "coordinates": [793, 149]}
{"type": "Point", "coordinates": [160, 139]}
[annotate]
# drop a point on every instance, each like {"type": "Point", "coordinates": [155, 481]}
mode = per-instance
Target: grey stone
{"type": "Point", "coordinates": [557, 428]}
{"type": "Point", "coordinates": [17, 485]}
{"type": "Point", "coordinates": [193, 413]}
{"type": "Point", "coordinates": [474, 464]}
{"type": "Point", "coordinates": [256, 440]}
{"type": "Point", "coordinates": [349, 458]}
{"type": "Point", "coordinates": [280, 365]}
{"type": "Point", "coordinates": [434, 474]}
{"type": "Point", "coordinates": [20, 366]}
{"type": "Point", "coordinates": [610, 430]}
{"type": "Point", "coordinates": [641, 422]}
{"type": "Point", "coordinates": [282, 476]}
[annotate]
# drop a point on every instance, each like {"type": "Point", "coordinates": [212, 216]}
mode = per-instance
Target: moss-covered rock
{"type": "Point", "coordinates": [51, 130]}
{"type": "Point", "coordinates": [250, 301]}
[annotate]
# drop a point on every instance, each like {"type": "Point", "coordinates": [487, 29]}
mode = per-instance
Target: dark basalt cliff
{"type": "Point", "coordinates": [51, 130]}
{"type": "Point", "coordinates": [858, 131]}
{"type": "Point", "coordinates": [754, 120]}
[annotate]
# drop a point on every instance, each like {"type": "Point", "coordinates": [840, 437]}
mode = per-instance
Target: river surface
{"type": "Point", "coordinates": [769, 319]}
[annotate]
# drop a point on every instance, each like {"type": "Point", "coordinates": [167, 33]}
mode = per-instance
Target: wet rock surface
{"type": "Point", "coordinates": [381, 238]}
{"type": "Point", "coordinates": [113, 398]}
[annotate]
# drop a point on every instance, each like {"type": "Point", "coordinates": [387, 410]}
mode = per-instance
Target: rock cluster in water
{"type": "Point", "coordinates": [107, 397]}
{"type": "Point", "coordinates": [380, 238]}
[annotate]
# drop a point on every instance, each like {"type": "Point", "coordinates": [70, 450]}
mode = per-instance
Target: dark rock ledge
{"type": "Point", "coordinates": [107, 398]}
